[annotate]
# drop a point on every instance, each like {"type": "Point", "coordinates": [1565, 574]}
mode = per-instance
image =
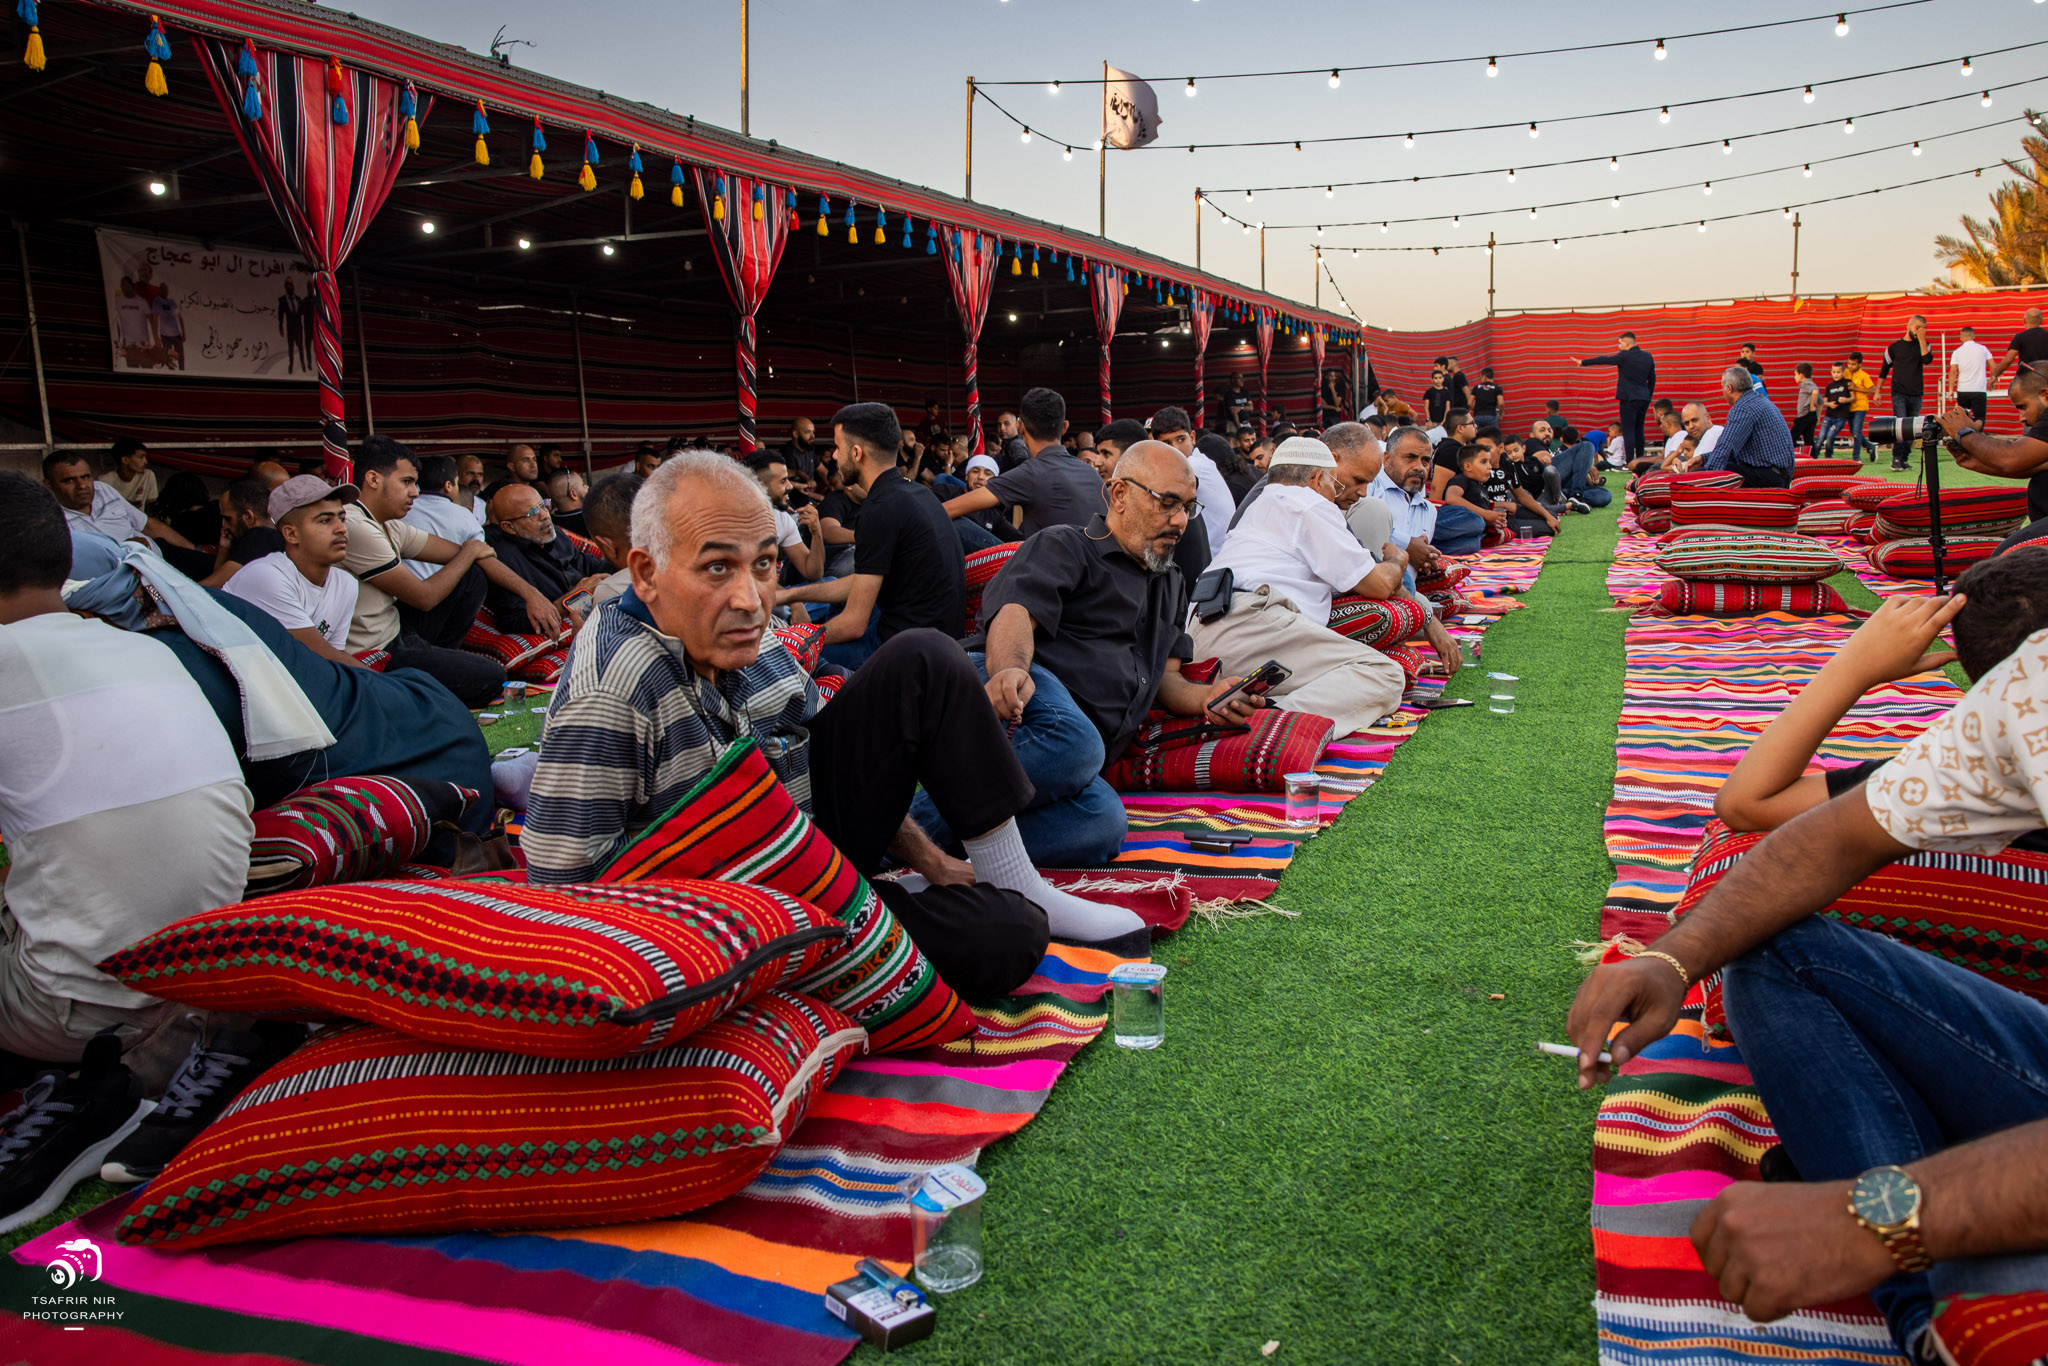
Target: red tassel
{"type": "Point", "coordinates": [335, 81]}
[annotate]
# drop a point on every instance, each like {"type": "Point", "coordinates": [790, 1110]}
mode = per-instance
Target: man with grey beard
{"type": "Point", "coordinates": [1085, 634]}
{"type": "Point", "coordinates": [524, 537]}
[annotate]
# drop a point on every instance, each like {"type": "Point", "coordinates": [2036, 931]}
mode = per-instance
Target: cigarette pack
{"type": "Point", "coordinates": [879, 1316]}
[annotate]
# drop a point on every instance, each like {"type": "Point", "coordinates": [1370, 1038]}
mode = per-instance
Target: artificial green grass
{"type": "Point", "coordinates": [1345, 1144]}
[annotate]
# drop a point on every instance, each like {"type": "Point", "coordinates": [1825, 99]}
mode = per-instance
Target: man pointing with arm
{"type": "Point", "coordinates": [1635, 384]}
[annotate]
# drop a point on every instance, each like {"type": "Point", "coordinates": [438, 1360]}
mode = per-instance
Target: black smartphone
{"type": "Point", "coordinates": [1218, 841]}
{"type": "Point", "coordinates": [1438, 703]}
{"type": "Point", "coordinates": [1266, 677]}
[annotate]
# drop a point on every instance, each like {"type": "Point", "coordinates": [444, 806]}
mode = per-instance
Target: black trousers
{"type": "Point", "coordinates": [1973, 403]}
{"type": "Point", "coordinates": [1632, 412]}
{"type": "Point", "coordinates": [1804, 427]}
{"type": "Point", "coordinates": [429, 641]}
{"type": "Point", "coordinates": [915, 714]}
{"type": "Point", "coordinates": [1763, 476]}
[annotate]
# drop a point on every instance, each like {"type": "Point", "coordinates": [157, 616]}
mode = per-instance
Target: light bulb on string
{"type": "Point", "coordinates": [1191, 87]}
{"type": "Point", "coordinates": [1097, 147]}
{"type": "Point", "coordinates": [1067, 155]}
{"type": "Point", "coordinates": [1788, 214]}
{"type": "Point", "coordinates": [1708, 188]}
{"type": "Point", "coordinates": [1247, 196]}
{"type": "Point", "coordinates": [1492, 66]}
{"type": "Point", "coordinates": [1616, 201]}
{"type": "Point", "coordinates": [1916, 149]}
{"type": "Point", "coordinates": [1511, 175]}
{"type": "Point", "coordinates": [609, 249]}
{"type": "Point", "coordinates": [1841, 25]}
{"type": "Point", "coordinates": [1408, 141]}
{"type": "Point", "coordinates": [1532, 213]}
{"type": "Point", "coordinates": [1454, 221]}
{"type": "Point", "coordinates": [1659, 54]}
{"type": "Point", "coordinates": [1329, 191]}
{"type": "Point", "coordinates": [1664, 114]}
{"type": "Point", "coordinates": [1247, 230]}
{"type": "Point", "coordinates": [1054, 87]}
{"type": "Point", "coordinates": [1319, 229]}
{"type": "Point", "coordinates": [1335, 79]}
{"type": "Point", "coordinates": [1849, 125]}
{"type": "Point", "coordinates": [1532, 129]}
{"type": "Point", "coordinates": [1986, 101]}
{"type": "Point", "coordinates": [1809, 94]}
{"type": "Point", "coordinates": [1614, 163]}
{"type": "Point", "coordinates": [1354, 253]}
{"type": "Point", "coordinates": [1383, 227]}
{"type": "Point", "coordinates": [1966, 66]}
{"type": "Point", "coordinates": [1556, 245]}
{"type": "Point", "coordinates": [1727, 147]}
{"type": "Point", "coordinates": [1703, 225]}
{"type": "Point", "coordinates": [1809, 171]}
{"type": "Point", "coordinates": [1026, 136]}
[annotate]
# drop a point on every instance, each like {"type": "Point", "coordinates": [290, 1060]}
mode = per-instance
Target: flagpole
{"type": "Point", "coordinates": [1198, 227]}
{"type": "Point", "coordinates": [1102, 165]}
{"type": "Point", "coordinates": [967, 191]}
{"type": "Point", "coordinates": [746, 43]}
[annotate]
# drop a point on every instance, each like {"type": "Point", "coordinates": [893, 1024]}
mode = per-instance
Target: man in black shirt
{"type": "Point", "coordinates": [1085, 635]}
{"type": "Point", "coordinates": [2028, 347]}
{"type": "Point", "coordinates": [1487, 399]}
{"type": "Point", "coordinates": [1747, 360]}
{"type": "Point", "coordinates": [1011, 448]}
{"type": "Point", "coordinates": [909, 570]}
{"type": "Point", "coordinates": [1458, 382]}
{"type": "Point", "coordinates": [522, 532]}
{"type": "Point", "coordinates": [1635, 384]}
{"type": "Point", "coordinates": [1906, 361]}
{"type": "Point", "coordinates": [1054, 487]}
{"type": "Point", "coordinates": [800, 458]}
{"type": "Point", "coordinates": [2010, 457]}
{"type": "Point", "coordinates": [931, 431]}
{"type": "Point", "coordinates": [1436, 398]}
{"type": "Point", "coordinates": [246, 531]}
{"type": "Point", "coordinates": [1459, 431]}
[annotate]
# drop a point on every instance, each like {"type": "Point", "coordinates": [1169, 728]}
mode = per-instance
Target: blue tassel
{"type": "Point", "coordinates": [156, 47]}
{"type": "Point", "coordinates": [407, 108]}
{"type": "Point", "coordinates": [540, 139]}
{"type": "Point", "coordinates": [849, 213]}
{"type": "Point", "coordinates": [1070, 270]}
{"type": "Point", "coordinates": [252, 100]}
{"type": "Point", "coordinates": [908, 224]}
{"type": "Point", "coordinates": [589, 150]}
{"type": "Point", "coordinates": [245, 65]}
{"type": "Point", "coordinates": [931, 239]}
{"type": "Point", "coordinates": [478, 124]}
{"type": "Point", "coordinates": [633, 162]}
{"type": "Point", "coordinates": [25, 10]}
{"type": "Point", "coordinates": [340, 110]}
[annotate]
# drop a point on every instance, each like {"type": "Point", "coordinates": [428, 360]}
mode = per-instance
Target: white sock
{"type": "Point", "coordinates": [1000, 860]}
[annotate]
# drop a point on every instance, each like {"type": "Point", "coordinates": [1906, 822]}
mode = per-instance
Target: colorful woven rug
{"type": "Point", "coordinates": [1683, 1120]}
{"type": "Point", "coordinates": [1634, 578]}
{"type": "Point", "coordinates": [740, 1282]}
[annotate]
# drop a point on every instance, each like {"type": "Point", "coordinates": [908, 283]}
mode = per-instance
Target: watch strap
{"type": "Point", "coordinates": [1905, 1246]}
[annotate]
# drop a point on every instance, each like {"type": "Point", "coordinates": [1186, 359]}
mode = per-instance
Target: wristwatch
{"type": "Point", "coordinates": [1886, 1201]}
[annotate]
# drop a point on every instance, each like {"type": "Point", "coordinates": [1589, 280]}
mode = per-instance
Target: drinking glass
{"type": "Point", "coordinates": [945, 1228]}
{"type": "Point", "coordinates": [1500, 693]}
{"type": "Point", "coordinates": [1137, 1001]}
{"type": "Point", "coordinates": [1304, 799]}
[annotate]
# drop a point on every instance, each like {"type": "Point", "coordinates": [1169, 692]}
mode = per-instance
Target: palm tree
{"type": "Point", "coordinates": [2011, 247]}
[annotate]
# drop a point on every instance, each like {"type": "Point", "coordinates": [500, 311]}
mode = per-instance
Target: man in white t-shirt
{"type": "Point", "coordinates": [304, 586]}
{"type": "Point", "coordinates": [805, 558]}
{"type": "Point", "coordinates": [1969, 367]}
{"type": "Point", "coordinates": [1172, 426]}
{"type": "Point", "coordinates": [1693, 418]}
{"type": "Point", "coordinates": [1289, 555]}
{"type": "Point", "coordinates": [125, 810]}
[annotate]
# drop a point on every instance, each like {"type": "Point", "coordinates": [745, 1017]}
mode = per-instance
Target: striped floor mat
{"type": "Point", "coordinates": [1683, 1120]}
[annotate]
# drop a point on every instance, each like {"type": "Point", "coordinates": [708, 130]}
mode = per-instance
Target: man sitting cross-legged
{"type": "Point", "coordinates": [523, 534]}
{"type": "Point", "coordinates": [666, 677]}
{"type": "Point", "coordinates": [124, 810]}
{"type": "Point", "coordinates": [1085, 636]}
{"type": "Point", "coordinates": [1289, 556]}
{"type": "Point", "coordinates": [1910, 1094]}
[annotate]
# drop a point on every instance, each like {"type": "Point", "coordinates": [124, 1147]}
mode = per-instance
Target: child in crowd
{"type": "Point", "coordinates": [1837, 402]}
{"type": "Point", "coordinates": [1489, 400]}
{"type": "Point", "coordinates": [1615, 453]}
{"type": "Point", "coordinates": [1806, 416]}
{"type": "Point", "coordinates": [1996, 605]}
{"type": "Point", "coordinates": [1468, 488]}
{"type": "Point", "coordinates": [1863, 388]}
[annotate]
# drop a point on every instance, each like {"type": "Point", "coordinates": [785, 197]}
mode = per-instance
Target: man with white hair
{"type": "Point", "coordinates": [669, 675]}
{"type": "Point", "coordinates": [1756, 441]}
{"type": "Point", "coordinates": [1290, 555]}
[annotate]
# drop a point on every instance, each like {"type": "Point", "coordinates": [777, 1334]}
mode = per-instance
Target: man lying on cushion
{"type": "Point", "coordinates": [1910, 1094]}
{"type": "Point", "coordinates": [1085, 636]}
{"type": "Point", "coordinates": [664, 678]}
{"type": "Point", "coordinates": [1996, 605]}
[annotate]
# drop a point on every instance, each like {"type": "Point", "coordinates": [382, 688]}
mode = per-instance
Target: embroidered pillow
{"type": "Point", "coordinates": [348, 830]}
{"type": "Point", "coordinates": [1915, 559]}
{"type": "Point", "coordinates": [1193, 754]}
{"type": "Point", "coordinates": [1377, 622]}
{"type": "Point", "coordinates": [1738, 557]}
{"type": "Point", "coordinates": [1680, 598]}
{"type": "Point", "coordinates": [1763, 509]}
{"type": "Point", "coordinates": [555, 972]}
{"type": "Point", "coordinates": [370, 1131]}
{"type": "Point", "coordinates": [1984, 511]}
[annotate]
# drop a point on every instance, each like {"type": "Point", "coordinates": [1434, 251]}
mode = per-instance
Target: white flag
{"type": "Point", "coordinates": [1130, 111]}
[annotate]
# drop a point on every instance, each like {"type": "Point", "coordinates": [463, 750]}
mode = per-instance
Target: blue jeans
{"type": "Point", "coordinates": [1856, 421]}
{"type": "Point", "coordinates": [849, 655]}
{"type": "Point", "coordinates": [1075, 819]}
{"type": "Point", "coordinates": [1458, 530]}
{"type": "Point", "coordinates": [1597, 496]}
{"type": "Point", "coordinates": [1904, 406]}
{"type": "Point", "coordinates": [1573, 464]}
{"type": "Point", "coordinates": [1830, 428]}
{"type": "Point", "coordinates": [1868, 1053]}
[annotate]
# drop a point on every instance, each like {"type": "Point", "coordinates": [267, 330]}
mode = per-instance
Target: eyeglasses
{"type": "Point", "coordinates": [525, 516]}
{"type": "Point", "coordinates": [1168, 503]}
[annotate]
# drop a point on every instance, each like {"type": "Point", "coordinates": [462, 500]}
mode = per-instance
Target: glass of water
{"type": "Point", "coordinates": [1137, 1003]}
{"type": "Point", "coordinates": [945, 1227]}
{"type": "Point", "coordinates": [1304, 799]}
{"type": "Point", "coordinates": [1500, 693]}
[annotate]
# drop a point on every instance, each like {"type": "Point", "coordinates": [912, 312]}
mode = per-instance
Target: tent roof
{"type": "Point", "coordinates": [457, 75]}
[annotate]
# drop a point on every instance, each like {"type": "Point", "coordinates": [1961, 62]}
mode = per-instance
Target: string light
{"type": "Point", "coordinates": [1383, 227]}
{"type": "Point", "coordinates": [1097, 147]}
{"type": "Point", "coordinates": [1708, 188]}
{"type": "Point", "coordinates": [1703, 225]}
{"type": "Point", "coordinates": [1247, 230]}
{"type": "Point", "coordinates": [1849, 125]}
{"type": "Point", "coordinates": [1664, 114]}
{"type": "Point", "coordinates": [1808, 168]}
{"type": "Point", "coordinates": [1329, 191]}
{"type": "Point", "coordinates": [1492, 66]}
{"type": "Point", "coordinates": [1532, 128]}
{"type": "Point", "coordinates": [1967, 68]}
{"type": "Point", "coordinates": [1659, 54]}
{"type": "Point", "coordinates": [1511, 175]}
{"type": "Point", "coordinates": [426, 224]}
{"type": "Point", "coordinates": [1454, 220]}
{"type": "Point", "coordinates": [1191, 87]}
{"type": "Point", "coordinates": [1054, 87]}
{"type": "Point", "coordinates": [1335, 79]}
{"type": "Point", "coordinates": [609, 249]}
{"type": "Point", "coordinates": [1026, 137]}
{"type": "Point", "coordinates": [1986, 101]}
{"type": "Point", "coordinates": [1788, 213]}
{"type": "Point", "coordinates": [1726, 147]}
{"type": "Point", "coordinates": [1841, 25]}
{"type": "Point", "coordinates": [1556, 245]}
{"type": "Point", "coordinates": [1616, 201]}
{"type": "Point", "coordinates": [1067, 155]}
{"type": "Point", "coordinates": [1408, 141]}
{"type": "Point", "coordinates": [1916, 149]}
{"type": "Point", "coordinates": [1247, 196]}
{"type": "Point", "coordinates": [1354, 253]}
{"type": "Point", "coordinates": [1614, 163]}
{"type": "Point", "coordinates": [1809, 94]}
{"type": "Point", "coordinates": [1319, 230]}
{"type": "Point", "coordinates": [526, 244]}
{"type": "Point", "coordinates": [1532, 213]}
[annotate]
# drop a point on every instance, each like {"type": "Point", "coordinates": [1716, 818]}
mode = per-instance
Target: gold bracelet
{"type": "Point", "coordinates": [1676, 966]}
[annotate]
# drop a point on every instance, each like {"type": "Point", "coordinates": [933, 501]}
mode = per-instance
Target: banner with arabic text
{"type": "Point", "coordinates": [180, 306]}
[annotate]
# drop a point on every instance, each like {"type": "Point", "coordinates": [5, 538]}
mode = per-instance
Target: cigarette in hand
{"type": "Point", "coordinates": [1565, 1050]}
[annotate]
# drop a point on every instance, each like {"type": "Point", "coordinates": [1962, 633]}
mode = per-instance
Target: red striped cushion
{"type": "Point", "coordinates": [1826, 517]}
{"type": "Point", "coordinates": [1860, 525]}
{"type": "Point", "coordinates": [1993, 1330]}
{"type": "Point", "coordinates": [348, 830]}
{"type": "Point", "coordinates": [1871, 495]}
{"type": "Point", "coordinates": [1750, 557]}
{"type": "Point", "coordinates": [1824, 466]}
{"type": "Point", "coordinates": [1378, 622]}
{"type": "Point", "coordinates": [367, 1130]}
{"type": "Point", "coordinates": [1915, 559]}
{"type": "Point", "coordinates": [1194, 754]}
{"type": "Point", "coordinates": [1988, 506]}
{"type": "Point", "coordinates": [1451, 577]}
{"type": "Point", "coordinates": [982, 567]}
{"type": "Point", "coordinates": [1653, 521]}
{"type": "Point", "coordinates": [556, 972]}
{"type": "Point", "coordinates": [505, 646]}
{"type": "Point", "coordinates": [1771, 509]}
{"type": "Point", "coordinates": [1654, 490]}
{"type": "Point", "coordinates": [1821, 486]}
{"type": "Point", "coordinates": [739, 825]}
{"type": "Point", "coordinates": [1699, 533]}
{"type": "Point", "coordinates": [1705, 479]}
{"type": "Point", "coordinates": [1679, 598]}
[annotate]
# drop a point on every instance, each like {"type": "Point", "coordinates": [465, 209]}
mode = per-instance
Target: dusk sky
{"type": "Point", "coordinates": [881, 85]}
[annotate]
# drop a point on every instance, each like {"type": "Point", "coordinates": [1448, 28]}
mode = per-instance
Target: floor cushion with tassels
{"type": "Point", "coordinates": [1915, 559]}
{"type": "Point", "coordinates": [1679, 598]}
{"type": "Point", "coordinates": [1378, 622]}
{"type": "Point", "coordinates": [1993, 1330]}
{"type": "Point", "coordinates": [348, 830]}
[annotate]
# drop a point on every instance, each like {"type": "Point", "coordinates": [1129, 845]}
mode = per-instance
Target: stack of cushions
{"type": "Point", "coordinates": [553, 972]}
{"type": "Point", "coordinates": [739, 825]}
{"type": "Point", "coordinates": [367, 1130]}
{"type": "Point", "coordinates": [1826, 517]}
{"type": "Point", "coordinates": [1994, 511]}
{"type": "Point", "coordinates": [348, 830]}
{"type": "Point", "coordinates": [1817, 467]}
{"type": "Point", "coordinates": [1740, 508]}
{"type": "Point", "coordinates": [1652, 503]}
{"type": "Point", "coordinates": [1741, 573]}
{"type": "Point", "coordinates": [1859, 524]}
{"type": "Point", "coordinates": [1868, 495]}
{"type": "Point", "coordinates": [1705, 479]}
{"type": "Point", "coordinates": [1814, 488]}
{"type": "Point", "coordinates": [982, 567]}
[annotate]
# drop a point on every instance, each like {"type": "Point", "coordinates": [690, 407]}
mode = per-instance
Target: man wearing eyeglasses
{"type": "Point", "coordinates": [1290, 556]}
{"type": "Point", "coordinates": [523, 533]}
{"type": "Point", "coordinates": [2010, 457]}
{"type": "Point", "coordinates": [1084, 636]}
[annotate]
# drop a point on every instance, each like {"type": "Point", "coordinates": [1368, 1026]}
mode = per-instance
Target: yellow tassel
{"type": "Point", "coordinates": [412, 135]}
{"type": "Point", "coordinates": [675, 197]}
{"type": "Point", "coordinates": [483, 153]}
{"type": "Point", "coordinates": [853, 234]}
{"type": "Point", "coordinates": [758, 207]}
{"type": "Point", "coordinates": [533, 166]}
{"type": "Point", "coordinates": [822, 229]}
{"type": "Point", "coordinates": [1034, 270]}
{"type": "Point", "coordinates": [153, 81]}
{"type": "Point", "coordinates": [881, 236]}
{"type": "Point", "coordinates": [717, 203]}
{"type": "Point", "coordinates": [1016, 266]}
{"type": "Point", "coordinates": [587, 178]}
{"type": "Point", "coordinates": [1127, 288]}
{"type": "Point", "coordinates": [634, 189]}
{"type": "Point", "coordinates": [32, 55]}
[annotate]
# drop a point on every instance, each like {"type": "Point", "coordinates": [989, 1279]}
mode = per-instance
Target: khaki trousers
{"type": "Point", "coordinates": [1352, 684]}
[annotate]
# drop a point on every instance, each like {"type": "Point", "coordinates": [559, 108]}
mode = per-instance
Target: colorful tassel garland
{"type": "Point", "coordinates": [1070, 270]}
{"type": "Point", "coordinates": [852, 228]}
{"type": "Point", "coordinates": [931, 238]}
{"type": "Point", "coordinates": [881, 227]}
{"type": "Point", "coordinates": [633, 189]}
{"type": "Point", "coordinates": [760, 202]}
{"type": "Point", "coordinates": [32, 56]}
{"type": "Point", "coordinates": [480, 125]}
{"type": "Point", "coordinates": [409, 110]}
{"type": "Point", "coordinates": [1034, 263]}
{"type": "Point", "coordinates": [907, 225]}
{"type": "Point", "coordinates": [336, 84]}
{"type": "Point", "coordinates": [587, 178]}
{"type": "Point", "coordinates": [252, 98]}
{"type": "Point", "coordinates": [157, 48]}
{"type": "Point", "coordinates": [540, 144]}
{"type": "Point", "coordinates": [675, 190]}
{"type": "Point", "coordinates": [824, 207]}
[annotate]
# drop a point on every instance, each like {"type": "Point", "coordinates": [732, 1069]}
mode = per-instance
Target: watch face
{"type": "Point", "coordinates": [1885, 1196]}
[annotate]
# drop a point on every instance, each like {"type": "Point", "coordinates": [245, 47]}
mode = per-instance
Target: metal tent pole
{"type": "Point", "coordinates": [746, 46]}
{"type": "Point", "coordinates": [355, 286]}
{"type": "Point", "coordinates": [582, 396]}
{"type": "Point", "coordinates": [967, 190]}
{"type": "Point", "coordinates": [35, 338]}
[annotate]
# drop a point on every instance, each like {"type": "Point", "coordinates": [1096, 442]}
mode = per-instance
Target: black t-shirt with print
{"type": "Point", "coordinates": [1840, 396]}
{"type": "Point", "coordinates": [1500, 486]}
{"type": "Point", "coordinates": [1486, 397]}
{"type": "Point", "coordinates": [1526, 474]}
{"type": "Point", "coordinates": [1438, 401]}
{"type": "Point", "coordinates": [1473, 489]}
